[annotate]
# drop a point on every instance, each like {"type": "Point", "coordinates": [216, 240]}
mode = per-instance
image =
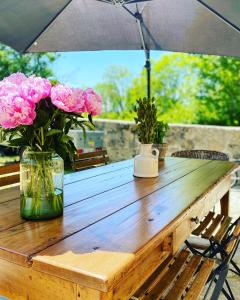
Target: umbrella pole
{"type": "Point", "coordinates": [148, 69]}
{"type": "Point", "coordinates": [138, 16]}
{"type": "Point", "coordinates": [139, 19]}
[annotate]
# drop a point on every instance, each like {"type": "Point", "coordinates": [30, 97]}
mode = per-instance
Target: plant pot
{"type": "Point", "coordinates": [41, 185]}
{"type": "Point", "coordinates": [162, 148]}
{"type": "Point", "coordinates": [146, 163]}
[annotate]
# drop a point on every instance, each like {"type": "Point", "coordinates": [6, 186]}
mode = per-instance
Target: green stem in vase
{"type": "Point", "coordinates": [41, 196]}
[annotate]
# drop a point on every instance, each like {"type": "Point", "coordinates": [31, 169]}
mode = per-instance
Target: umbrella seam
{"type": "Point", "coordinates": [219, 15]}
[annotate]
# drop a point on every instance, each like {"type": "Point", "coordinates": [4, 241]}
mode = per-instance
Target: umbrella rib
{"type": "Point", "coordinates": [46, 26]}
{"type": "Point", "coordinates": [219, 15]}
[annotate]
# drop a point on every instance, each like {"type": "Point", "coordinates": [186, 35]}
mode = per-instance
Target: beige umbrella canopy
{"type": "Point", "coordinates": [194, 26]}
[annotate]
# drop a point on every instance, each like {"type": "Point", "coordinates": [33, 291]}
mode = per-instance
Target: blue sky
{"type": "Point", "coordinates": [86, 69]}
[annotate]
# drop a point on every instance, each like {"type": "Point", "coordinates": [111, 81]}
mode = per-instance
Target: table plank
{"type": "Point", "coordinates": [14, 192]}
{"type": "Point", "coordinates": [100, 254]}
{"type": "Point", "coordinates": [79, 190]}
{"type": "Point", "coordinates": [93, 172]}
{"type": "Point", "coordinates": [9, 194]}
{"type": "Point", "coordinates": [39, 235]}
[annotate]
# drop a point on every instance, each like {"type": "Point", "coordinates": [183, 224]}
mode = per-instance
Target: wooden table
{"type": "Point", "coordinates": [115, 232]}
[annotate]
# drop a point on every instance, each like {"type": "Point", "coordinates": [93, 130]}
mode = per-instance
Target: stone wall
{"type": "Point", "coordinates": [122, 143]}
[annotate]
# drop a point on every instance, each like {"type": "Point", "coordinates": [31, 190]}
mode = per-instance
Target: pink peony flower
{"type": "Point", "coordinates": [7, 87]}
{"type": "Point", "coordinates": [68, 99]}
{"type": "Point", "coordinates": [15, 111]}
{"type": "Point", "coordinates": [16, 78]}
{"type": "Point", "coordinates": [35, 88]}
{"type": "Point", "coordinates": [93, 102]}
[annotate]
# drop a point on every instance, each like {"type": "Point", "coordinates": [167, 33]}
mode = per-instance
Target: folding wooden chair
{"type": "Point", "coordinates": [184, 277]}
{"type": "Point", "coordinates": [222, 236]}
{"type": "Point", "coordinates": [90, 159]}
{"type": "Point", "coordinates": [223, 243]}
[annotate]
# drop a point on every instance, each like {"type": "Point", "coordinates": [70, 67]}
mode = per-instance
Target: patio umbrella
{"type": "Point", "coordinates": [194, 26]}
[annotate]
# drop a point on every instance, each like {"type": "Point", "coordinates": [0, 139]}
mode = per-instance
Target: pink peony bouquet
{"type": "Point", "coordinates": [36, 114]}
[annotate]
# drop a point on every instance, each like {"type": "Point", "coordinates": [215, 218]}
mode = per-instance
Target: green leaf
{"type": "Point", "coordinates": [90, 119]}
{"type": "Point", "coordinates": [54, 132]}
{"type": "Point", "coordinates": [19, 142]}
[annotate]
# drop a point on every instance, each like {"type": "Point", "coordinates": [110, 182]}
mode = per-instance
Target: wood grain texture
{"type": "Point", "coordinates": [90, 159]}
{"type": "Point", "coordinates": [76, 191]}
{"type": "Point", "coordinates": [210, 230]}
{"type": "Point", "coordinates": [21, 283]}
{"type": "Point", "coordinates": [40, 235]}
{"type": "Point", "coordinates": [204, 223]}
{"type": "Point", "coordinates": [91, 173]}
{"type": "Point", "coordinates": [9, 194]}
{"type": "Point", "coordinates": [8, 180]}
{"type": "Point", "coordinates": [10, 168]}
{"type": "Point", "coordinates": [183, 277]}
{"type": "Point", "coordinates": [183, 281]}
{"type": "Point", "coordinates": [162, 283]}
{"type": "Point", "coordinates": [79, 190]}
{"type": "Point", "coordinates": [129, 232]}
{"type": "Point", "coordinates": [136, 277]}
{"type": "Point", "coordinates": [113, 223]}
{"type": "Point", "coordinates": [9, 174]}
{"type": "Point", "coordinates": [200, 280]}
{"type": "Point", "coordinates": [218, 236]}
{"type": "Point", "coordinates": [225, 204]}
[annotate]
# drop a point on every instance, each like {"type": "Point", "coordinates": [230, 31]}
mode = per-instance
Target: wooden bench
{"type": "Point", "coordinates": [9, 174]}
{"type": "Point", "coordinates": [90, 159]}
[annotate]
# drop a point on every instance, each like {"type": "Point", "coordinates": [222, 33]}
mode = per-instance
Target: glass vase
{"type": "Point", "coordinates": [41, 185]}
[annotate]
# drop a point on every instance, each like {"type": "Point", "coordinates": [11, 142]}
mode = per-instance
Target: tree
{"type": "Point", "coordinates": [12, 61]}
{"type": "Point", "coordinates": [113, 90]}
{"type": "Point", "coordinates": [173, 85]}
{"type": "Point", "coordinates": [188, 89]}
{"type": "Point", "coordinates": [219, 92]}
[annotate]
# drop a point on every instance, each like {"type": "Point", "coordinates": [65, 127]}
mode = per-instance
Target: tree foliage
{"type": "Point", "coordinates": [113, 90]}
{"type": "Point", "coordinates": [12, 61]}
{"type": "Point", "coordinates": [187, 88]}
{"type": "Point", "coordinates": [218, 97]}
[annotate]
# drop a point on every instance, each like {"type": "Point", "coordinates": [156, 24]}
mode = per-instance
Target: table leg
{"type": "Point", "coordinates": [225, 204]}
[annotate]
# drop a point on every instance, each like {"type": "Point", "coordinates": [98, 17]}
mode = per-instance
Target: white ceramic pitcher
{"type": "Point", "coordinates": [146, 163]}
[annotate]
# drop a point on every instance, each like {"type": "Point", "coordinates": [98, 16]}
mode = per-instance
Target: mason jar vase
{"type": "Point", "coordinates": [41, 185]}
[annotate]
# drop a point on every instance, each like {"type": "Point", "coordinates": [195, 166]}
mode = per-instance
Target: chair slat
{"type": "Point", "coordinates": [10, 168]}
{"type": "Point", "coordinates": [236, 231]}
{"type": "Point", "coordinates": [223, 229]}
{"type": "Point", "coordinates": [184, 280]}
{"type": "Point", "coordinates": [231, 245]}
{"type": "Point", "coordinates": [200, 280]}
{"type": "Point", "coordinates": [7, 174]}
{"type": "Point", "coordinates": [90, 159]}
{"type": "Point", "coordinates": [235, 235]}
{"type": "Point", "coordinates": [168, 278]}
{"type": "Point", "coordinates": [203, 224]}
{"type": "Point", "coordinates": [7, 180]}
{"type": "Point", "coordinates": [90, 162]}
{"type": "Point", "coordinates": [153, 279]}
{"type": "Point", "coordinates": [210, 230]}
{"type": "Point", "coordinates": [91, 154]}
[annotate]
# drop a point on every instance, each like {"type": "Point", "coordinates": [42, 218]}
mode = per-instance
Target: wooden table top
{"type": "Point", "coordinates": [110, 217]}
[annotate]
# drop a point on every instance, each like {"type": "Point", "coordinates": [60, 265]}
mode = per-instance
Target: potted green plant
{"type": "Point", "coordinates": [146, 163]}
{"type": "Point", "coordinates": [161, 130]}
